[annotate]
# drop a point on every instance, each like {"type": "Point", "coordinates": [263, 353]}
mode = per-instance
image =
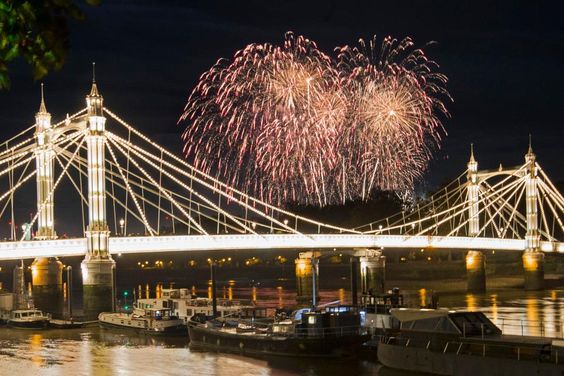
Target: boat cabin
{"type": "Point", "coordinates": [184, 305]}
{"type": "Point", "coordinates": [155, 313]}
{"type": "Point", "coordinates": [27, 313]}
{"type": "Point", "coordinates": [382, 303]}
{"type": "Point", "coordinates": [328, 321]}
{"type": "Point", "coordinates": [442, 321]}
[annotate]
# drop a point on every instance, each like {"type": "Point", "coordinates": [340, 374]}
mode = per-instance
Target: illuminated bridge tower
{"type": "Point", "coordinates": [475, 260]}
{"type": "Point", "coordinates": [46, 273]}
{"type": "Point", "coordinates": [533, 258]}
{"type": "Point", "coordinates": [98, 266]}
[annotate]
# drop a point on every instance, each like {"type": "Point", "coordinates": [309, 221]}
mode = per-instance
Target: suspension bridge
{"type": "Point", "coordinates": [125, 183]}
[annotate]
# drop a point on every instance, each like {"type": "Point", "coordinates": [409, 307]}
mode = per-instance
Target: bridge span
{"type": "Point", "coordinates": [192, 243]}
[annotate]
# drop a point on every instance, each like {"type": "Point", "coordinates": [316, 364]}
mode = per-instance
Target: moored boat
{"type": "Point", "coordinates": [184, 305]}
{"type": "Point", "coordinates": [444, 342]}
{"type": "Point", "coordinates": [28, 319]}
{"type": "Point", "coordinates": [331, 332]}
{"type": "Point", "coordinates": [151, 321]}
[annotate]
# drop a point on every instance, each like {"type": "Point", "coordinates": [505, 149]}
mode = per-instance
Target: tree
{"type": "Point", "coordinates": [38, 32]}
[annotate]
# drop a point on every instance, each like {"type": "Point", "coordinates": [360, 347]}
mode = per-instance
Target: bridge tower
{"type": "Point", "coordinates": [533, 258]}
{"type": "Point", "coordinates": [46, 273]}
{"type": "Point", "coordinates": [475, 260]}
{"type": "Point", "coordinates": [98, 266]}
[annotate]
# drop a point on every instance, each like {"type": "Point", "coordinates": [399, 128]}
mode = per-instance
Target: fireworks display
{"type": "Point", "coordinates": [290, 124]}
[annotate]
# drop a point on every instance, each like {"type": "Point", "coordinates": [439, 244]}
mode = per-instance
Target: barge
{"type": "Point", "coordinates": [332, 332]}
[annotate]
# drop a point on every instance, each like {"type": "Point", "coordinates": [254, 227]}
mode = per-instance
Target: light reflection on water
{"type": "Point", "coordinates": [94, 352]}
{"type": "Point", "coordinates": [518, 312]}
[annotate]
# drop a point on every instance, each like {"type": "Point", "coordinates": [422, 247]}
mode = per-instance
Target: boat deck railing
{"type": "Point", "coordinates": [525, 352]}
{"type": "Point", "coordinates": [524, 327]}
{"type": "Point", "coordinates": [293, 330]}
{"type": "Point", "coordinates": [325, 332]}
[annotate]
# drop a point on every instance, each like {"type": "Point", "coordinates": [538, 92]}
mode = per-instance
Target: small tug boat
{"type": "Point", "coordinates": [28, 319]}
{"type": "Point", "coordinates": [329, 332]}
{"type": "Point", "coordinates": [152, 321]}
{"type": "Point", "coordinates": [461, 343]}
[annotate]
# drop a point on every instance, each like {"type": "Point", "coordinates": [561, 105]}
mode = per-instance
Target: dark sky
{"type": "Point", "coordinates": [504, 60]}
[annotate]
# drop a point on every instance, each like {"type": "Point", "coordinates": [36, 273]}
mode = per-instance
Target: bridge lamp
{"type": "Point", "coordinates": [254, 225]}
{"type": "Point", "coordinates": [286, 222]}
{"type": "Point", "coordinates": [122, 226]}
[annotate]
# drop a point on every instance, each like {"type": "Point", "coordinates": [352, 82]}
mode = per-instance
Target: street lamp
{"type": "Point", "coordinates": [122, 226]}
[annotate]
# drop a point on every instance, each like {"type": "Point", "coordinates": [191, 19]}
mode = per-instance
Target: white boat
{"type": "Point", "coordinates": [183, 305]}
{"type": "Point", "coordinates": [153, 321]}
{"type": "Point", "coordinates": [28, 319]}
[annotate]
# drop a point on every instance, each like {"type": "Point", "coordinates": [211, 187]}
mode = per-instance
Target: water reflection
{"type": "Point", "coordinates": [280, 291]}
{"type": "Point", "coordinates": [422, 298]}
{"type": "Point", "coordinates": [341, 295]}
{"type": "Point", "coordinates": [533, 317]}
{"type": "Point", "coordinates": [493, 303]}
{"type": "Point", "coordinates": [518, 312]}
{"type": "Point", "coordinates": [35, 349]}
{"type": "Point", "coordinates": [470, 302]}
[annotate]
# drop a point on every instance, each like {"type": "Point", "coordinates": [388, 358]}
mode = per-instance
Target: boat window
{"type": "Point", "coordinates": [472, 323]}
{"type": "Point", "coordinates": [435, 324]}
{"type": "Point", "coordinates": [311, 320]}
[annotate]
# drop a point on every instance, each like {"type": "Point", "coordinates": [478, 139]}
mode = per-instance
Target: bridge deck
{"type": "Point", "coordinates": [187, 243]}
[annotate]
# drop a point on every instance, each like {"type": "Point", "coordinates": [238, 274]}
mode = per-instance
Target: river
{"type": "Point", "coordinates": [97, 352]}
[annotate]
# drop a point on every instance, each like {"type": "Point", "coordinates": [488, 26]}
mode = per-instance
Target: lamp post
{"type": "Point", "coordinates": [122, 226]}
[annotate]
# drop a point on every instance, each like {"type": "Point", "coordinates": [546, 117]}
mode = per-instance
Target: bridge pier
{"type": "Point", "coordinates": [307, 279]}
{"type": "Point", "coordinates": [533, 265]}
{"type": "Point", "coordinates": [354, 280]}
{"type": "Point", "coordinates": [47, 285]}
{"type": "Point", "coordinates": [372, 271]}
{"type": "Point", "coordinates": [98, 286]}
{"type": "Point", "coordinates": [475, 271]}
{"type": "Point", "coordinates": [18, 288]}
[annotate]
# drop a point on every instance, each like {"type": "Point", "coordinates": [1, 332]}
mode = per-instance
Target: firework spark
{"type": "Point", "coordinates": [394, 125]}
{"type": "Point", "coordinates": [289, 124]}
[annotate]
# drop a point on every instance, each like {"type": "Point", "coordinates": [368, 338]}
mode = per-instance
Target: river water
{"type": "Point", "coordinates": [93, 351]}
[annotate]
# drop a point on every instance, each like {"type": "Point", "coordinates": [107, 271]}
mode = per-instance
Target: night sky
{"type": "Point", "coordinates": [504, 62]}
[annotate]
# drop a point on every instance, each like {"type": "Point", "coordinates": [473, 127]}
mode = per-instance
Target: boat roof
{"type": "Point", "coordinates": [411, 314]}
{"type": "Point", "coordinates": [26, 310]}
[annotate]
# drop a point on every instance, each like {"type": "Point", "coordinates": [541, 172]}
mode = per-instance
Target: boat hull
{"type": "Point", "coordinates": [36, 324]}
{"type": "Point", "coordinates": [422, 360]}
{"type": "Point", "coordinates": [177, 330]}
{"type": "Point", "coordinates": [245, 344]}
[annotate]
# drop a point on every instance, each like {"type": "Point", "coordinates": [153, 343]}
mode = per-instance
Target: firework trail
{"type": "Point", "coordinates": [289, 124]}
